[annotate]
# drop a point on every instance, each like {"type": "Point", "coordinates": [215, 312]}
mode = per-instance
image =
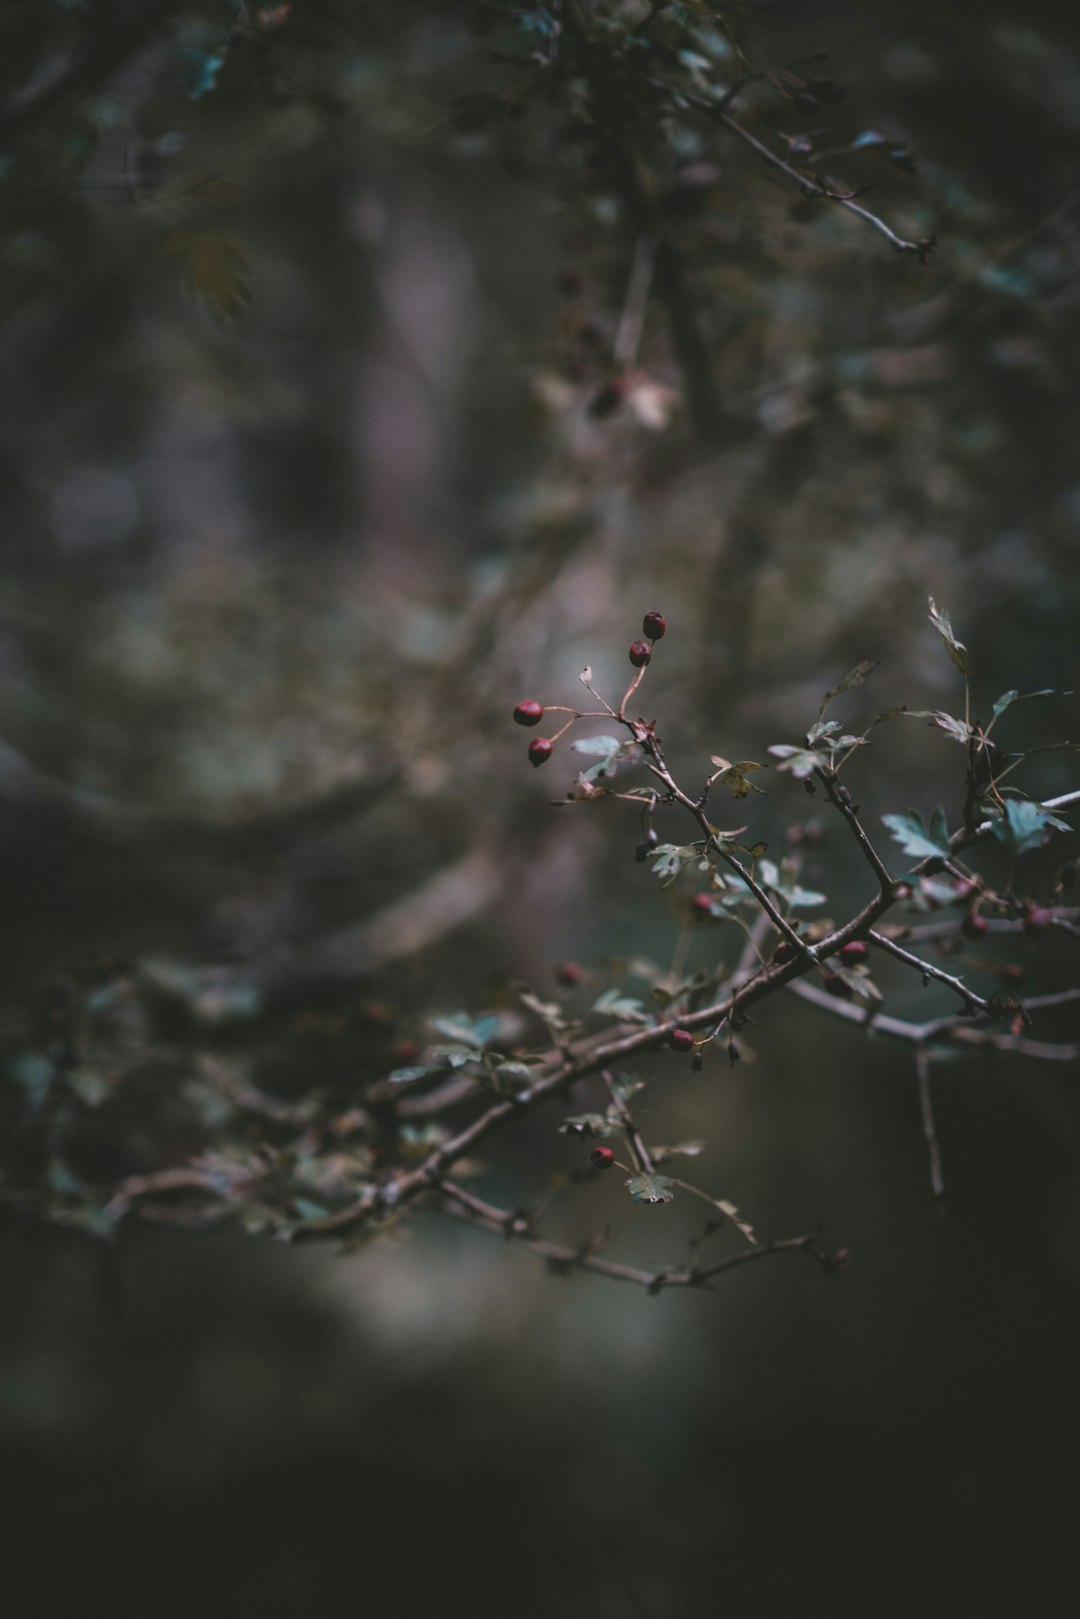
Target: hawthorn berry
{"type": "Point", "coordinates": [835, 985]}
{"type": "Point", "coordinates": [703, 905]}
{"type": "Point", "coordinates": [680, 1040]}
{"type": "Point", "coordinates": [1037, 922]}
{"type": "Point", "coordinates": [974, 925]}
{"type": "Point", "coordinates": [529, 712]}
{"type": "Point", "coordinates": [540, 751]}
{"type": "Point", "coordinates": [568, 973]}
{"type": "Point", "coordinates": [1012, 973]}
{"type": "Point", "coordinates": [855, 951]}
{"type": "Point", "coordinates": [602, 1157]}
{"type": "Point", "coordinates": [640, 654]}
{"type": "Point", "coordinates": [655, 626]}
{"type": "Point", "coordinates": [784, 952]}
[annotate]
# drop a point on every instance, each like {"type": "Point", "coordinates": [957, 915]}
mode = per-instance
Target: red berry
{"type": "Point", "coordinates": [640, 654]}
{"type": "Point", "coordinates": [1037, 922]}
{"type": "Point", "coordinates": [540, 751]}
{"type": "Point", "coordinates": [680, 1040]}
{"type": "Point", "coordinates": [602, 1157]}
{"type": "Point", "coordinates": [974, 925]}
{"type": "Point", "coordinates": [703, 904]}
{"type": "Point", "coordinates": [784, 952]}
{"type": "Point", "coordinates": [654, 626]}
{"type": "Point", "coordinates": [853, 952]}
{"type": "Point", "coordinates": [1012, 973]}
{"type": "Point", "coordinates": [569, 974]}
{"type": "Point", "coordinates": [838, 986]}
{"type": "Point", "coordinates": [529, 713]}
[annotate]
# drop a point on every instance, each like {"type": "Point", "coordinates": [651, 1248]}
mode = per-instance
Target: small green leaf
{"type": "Point", "coordinates": [913, 835]}
{"type": "Point", "coordinates": [687, 1149]}
{"type": "Point", "coordinates": [405, 1076]}
{"type": "Point", "coordinates": [624, 1007]}
{"type": "Point", "coordinates": [597, 747]}
{"type": "Point", "coordinates": [514, 1070]}
{"type": "Point", "coordinates": [957, 651]}
{"type": "Point", "coordinates": [651, 1188]}
{"type": "Point", "coordinates": [670, 858]}
{"type": "Point", "coordinates": [1007, 699]}
{"type": "Point", "coordinates": [799, 762]}
{"type": "Point", "coordinates": [35, 1074]}
{"type": "Point", "coordinates": [853, 678]}
{"type": "Point", "coordinates": [735, 775]}
{"type": "Point", "coordinates": [1025, 826]}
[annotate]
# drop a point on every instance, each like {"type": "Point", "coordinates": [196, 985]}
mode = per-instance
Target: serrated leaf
{"type": "Point", "coordinates": [913, 835]}
{"type": "Point", "coordinates": [1025, 826]}
{"type": "Point", "coordinates": [804, 899]}
{"type": "Point", "coordinates": [613, 1004]}
{"type": "Point", "coordinates": [853, 678]}
{"type": "Point", "coordinates": [468, 1031]}
{"type": "Point", "coordinates": [651, 1188]}
{"type": "Point", "coordinates": [798, 762]}
{"type": "Point", "coordinates": [597, 746]}
{"type": "Point", "coordinates": [735, 775]}
{"type": "Point", "coordinates": [608, 751]}
{"type": "Point", "coordinates": [1007, 698]}
{"type": "Point", "coordinates": [670, 858]}
{"type": "Point", "coordinates": [957, 651]}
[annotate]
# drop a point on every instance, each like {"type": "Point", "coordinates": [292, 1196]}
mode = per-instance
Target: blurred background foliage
{"type": "Point", "coordinates": [324, 442]}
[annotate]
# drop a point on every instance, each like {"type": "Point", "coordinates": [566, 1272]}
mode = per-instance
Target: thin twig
{"type": "Point", "coordinates": [813, 186]}
{"type": "Point", "coordinates": [851, 815]}
{"type": "Point", "coordinates": [926, 1107]}
{"type": "Point", "coordinates": [464, 1205]}
{"type": "Point", "coordinates": [968, 996]}
{"type": "Point", "coordinates": [639, 1151]}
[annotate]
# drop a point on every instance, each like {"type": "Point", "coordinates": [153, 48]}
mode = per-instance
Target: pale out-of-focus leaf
{"type": "Point", "coordinates": [957, 651]}
{"type": "Point", "coordinates": [217, 271]}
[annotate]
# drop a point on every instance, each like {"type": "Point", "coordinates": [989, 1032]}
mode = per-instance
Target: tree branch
{"type": "Point", "coordinates": [464, 1205]}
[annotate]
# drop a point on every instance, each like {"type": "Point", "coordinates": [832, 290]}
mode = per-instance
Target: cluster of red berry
{"type": "Point", "coordinates": [529, 712]}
